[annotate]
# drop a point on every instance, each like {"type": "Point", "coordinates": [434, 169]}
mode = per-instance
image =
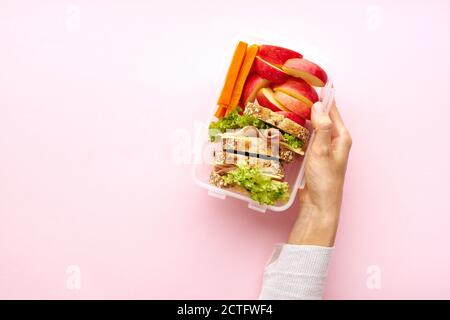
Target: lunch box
{"type": "Point", "coordinates": [295, 171]}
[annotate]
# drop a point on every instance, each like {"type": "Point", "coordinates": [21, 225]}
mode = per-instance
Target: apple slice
{"type": "Point", "coordinates": [251, 87]}
{"type": "Point", "coordinates": [269, 71]}
{"type": "Point", "coordinates": [307, 70]}
{"type": "Point", "coordinates": [277, 55]}
{"type": "Point", "coordinates": [294, 117]}
{"type": "Point", "coordinates": [298, 89]}
{"type": "Point", "coordinates": [293, 104]}
{"type": "Point", "coordinates": [265, 97]}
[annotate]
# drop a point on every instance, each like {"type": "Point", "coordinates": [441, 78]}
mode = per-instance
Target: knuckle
{"type": "Point", "coordinates": [323, 124]}
{"type": "Point", "coordinates": [320, 150]}
{"type": "Point", "coordinates": [346, 137]}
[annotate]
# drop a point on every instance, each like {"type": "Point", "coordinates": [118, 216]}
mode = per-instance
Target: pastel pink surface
{"type": "Point", "coordinates": [85, 87]}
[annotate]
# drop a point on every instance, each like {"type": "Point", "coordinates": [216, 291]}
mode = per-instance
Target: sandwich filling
{"type": "Point", "coordinates": [260, 187]}
{"type": "Point", "coordinates": [235, 120]}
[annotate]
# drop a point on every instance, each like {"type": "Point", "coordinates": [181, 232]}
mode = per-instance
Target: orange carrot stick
{"type": "Point", "coordinates": [243, 74]}
{"type": "Point", "coordinates": [221, 111]}
{"type": "Point", "coordinates": [232, 74]}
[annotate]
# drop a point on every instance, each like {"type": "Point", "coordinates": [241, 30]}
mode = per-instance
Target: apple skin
{"type": "Point", "coordinates": [269, 71]}
{"type": "Point", "coordinates": [307, 70]}
{"type": "Point", "coordinates": [277, 55]}
{"type": "Point", "coordinates": [294, 117]}
{"type": "Point", "coordinates": [265, 97]}
{"type": "Point", "coordinates": [252, 85]}
{"type": "Point", "coordinates": [298, 89]}
{"type": "Point", "coordinates": [294, 105]}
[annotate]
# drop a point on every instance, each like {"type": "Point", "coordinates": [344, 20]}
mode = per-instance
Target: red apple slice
{"type": "Point", "coordinates": [277, 55]}
{"type": "Point", "coordinates": [294, 117]}
{"type": "Point", "coordinates": [292, 104]}
{"type": "Point", "coordinates": [268, 71]}
{"type": "Point", "coordinates": [298, 89]}
{"type": "Point", "coordinates": [266, 99]}
{"type": "Point", "coordinates": [307, 70]}
{"type": "Point", "coordinates": [251, 87]}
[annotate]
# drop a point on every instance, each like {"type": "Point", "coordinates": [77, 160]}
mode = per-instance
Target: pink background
{"type": "Point", "coordinates": [92, 91]}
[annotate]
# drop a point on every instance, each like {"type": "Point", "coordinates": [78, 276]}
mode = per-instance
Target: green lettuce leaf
{"type": "Point", "coordinates": [234, 121]}
{"type": "Point", "coordinates": [292, 141]}
{"type": "Point", "coordinates": [262, 188]}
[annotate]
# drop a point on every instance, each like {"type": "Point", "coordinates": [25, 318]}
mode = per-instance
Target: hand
{"type": "Point", "coordinates": [320, 201]}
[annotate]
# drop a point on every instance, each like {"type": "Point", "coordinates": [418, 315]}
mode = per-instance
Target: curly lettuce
{"type": "Point", "coordinates": [234, 121]}
{"type": "Point", "coordinates": [261, 188]}
{"type": "Point", "coordinates": [292, 141]}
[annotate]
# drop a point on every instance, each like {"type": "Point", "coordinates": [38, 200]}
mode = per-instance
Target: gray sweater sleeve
{"type": "Point", "coordinates": [296, 272]}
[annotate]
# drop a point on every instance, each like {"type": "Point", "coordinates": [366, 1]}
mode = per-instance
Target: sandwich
{"type": "Point", "coordinates": [263, 143]}
{"type": "Point", "coordinates": [293, 135]}
{"type": "Point", "coordinates": [226, 161]}
{"type": "Point", "coordinates": [252, 147]}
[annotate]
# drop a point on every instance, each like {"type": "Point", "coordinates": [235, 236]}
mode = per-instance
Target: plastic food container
{"type": "Point", "coordinates": [294, 171]}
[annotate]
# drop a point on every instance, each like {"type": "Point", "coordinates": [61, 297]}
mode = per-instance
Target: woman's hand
{"type": "Point", "coordinates": [320, 201]}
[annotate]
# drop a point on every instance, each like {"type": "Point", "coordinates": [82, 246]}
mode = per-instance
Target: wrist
{"type": "Point", "coordinates": [315, 226]}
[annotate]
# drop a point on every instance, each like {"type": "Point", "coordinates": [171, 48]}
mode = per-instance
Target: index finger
{"type": "Point", "coordinates": [341, 136]}
{"type": "Point", "coordinates": [337, 120]}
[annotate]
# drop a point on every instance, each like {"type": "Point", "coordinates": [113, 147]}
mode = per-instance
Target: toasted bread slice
{"type": "Point", "coordinates": [216, 179]}
{"type": "Point", "coordinates": [257, 147]}
{"type": "Point", "coordinates": [266, 144]}
{"type": "Point", "coordinates": [223, 161]}
{"type": "Point", "coordinates": [278, 121]}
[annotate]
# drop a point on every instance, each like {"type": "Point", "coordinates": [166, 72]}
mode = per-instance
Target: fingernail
{"type": "Point", "coordinates": [318, 107]}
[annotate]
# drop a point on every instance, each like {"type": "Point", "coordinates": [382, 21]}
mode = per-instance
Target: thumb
{"type": "Point", "coordinates": [322, 127]}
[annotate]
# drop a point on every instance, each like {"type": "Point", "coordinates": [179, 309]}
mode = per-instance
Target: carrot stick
{"type": "Point", "coordinates": [232, 74]}
{"type": "Point", "coordinates": [221, 111]}
{"type": "Point", "coordinates": [243, 74]}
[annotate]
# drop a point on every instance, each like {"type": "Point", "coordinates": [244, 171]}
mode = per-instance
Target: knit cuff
{"type": "Point", "coordinates": [296, 272]}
